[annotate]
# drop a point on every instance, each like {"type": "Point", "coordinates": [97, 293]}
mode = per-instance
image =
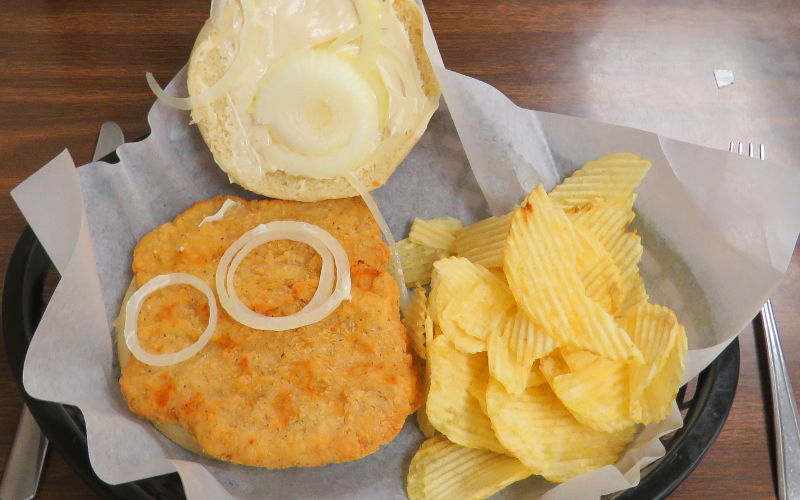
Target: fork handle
{"type": "Point", "coordinates": [24, 465]}
{"type": "Point", "coordinates": [787, 422]}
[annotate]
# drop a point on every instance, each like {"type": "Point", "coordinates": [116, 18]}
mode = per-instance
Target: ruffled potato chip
{"type": "Point", "coordinates": [414, 320]}
{"type": "Point", "coordinates": [658, 397]}
{"type": "Point", "coordinates": [597, 270]}
{"type": "Point", "coordinates": [435, 233]}
{"type": "Point", "coordinates": [576, 358]}
{"type": "Point", "coordinates": [626, 251]}
{"type": "Point", "coordinates": [539, 430]}
{"type": "Point", "coordinates": [528, 342]}
{"type": "Point", "coordinates": [450, 407]}
{"type": "Point", "coordinates": [535, 376]}
{"type": "Point", "coordinates": [513, 349]}
{"type": "Point", "coordinates": [662, 342]}
{"type": "Point", "coordinates": [478, 390]}
{"type": "Point", "coordinates": [597, 394]}
{"type": "Point", "coordinates": [540, 264]}
{"type": "Point", "coordinates": [607, 178]}
{"type": "Point", "coordinates": [608, 220]}
{"type": "Point", "coordinates": [422, 416]}
{"type": "Point", "coordinates": [483, 242]}
{"type": "Point", "coordinates": [442, 470]}
{"type": "Point", "coordinates": [470, 301]}
{"type": "Point", "coordinates": [417, 261]}
{"type": "Point", "coordinates": [452, 275]}
{"type": "Point", "coordinates": [599, 197]}
{"type": "Point", "coordinates": [503, 366]}
{"type": "Point", "coordinates": [603, 218]}
{"type": "Point", "coordinates": [553, 365]}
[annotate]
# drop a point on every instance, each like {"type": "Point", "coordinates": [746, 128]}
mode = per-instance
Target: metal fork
{"type": "Point", "coordinates": [784, 406]}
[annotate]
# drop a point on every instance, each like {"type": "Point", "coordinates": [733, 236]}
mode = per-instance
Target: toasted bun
{"type": "Point", "coordinates": [217, 124]}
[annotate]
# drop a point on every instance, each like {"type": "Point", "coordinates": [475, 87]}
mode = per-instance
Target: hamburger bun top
{"type": "Point", "coordinates": [253, 150]}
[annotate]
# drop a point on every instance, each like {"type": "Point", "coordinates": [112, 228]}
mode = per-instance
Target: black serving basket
{"type": "Point", "coordinates": [704, 402]}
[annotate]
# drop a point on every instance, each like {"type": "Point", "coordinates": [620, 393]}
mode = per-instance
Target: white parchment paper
{"type": "Point", "coordinates": [718, 232]}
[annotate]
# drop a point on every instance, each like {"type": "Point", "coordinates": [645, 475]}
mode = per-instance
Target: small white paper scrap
{"type": "Point", "coordinates": [724, 77]}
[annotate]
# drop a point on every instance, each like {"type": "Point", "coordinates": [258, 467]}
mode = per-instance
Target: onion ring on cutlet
{"type": "Point", "coordinates": [134, 305]}
{"type": "Point", "coordinates": [324, 301]}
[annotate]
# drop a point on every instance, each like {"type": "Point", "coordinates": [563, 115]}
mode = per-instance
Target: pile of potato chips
{"type": "Point", "coordinates": [542, 352]}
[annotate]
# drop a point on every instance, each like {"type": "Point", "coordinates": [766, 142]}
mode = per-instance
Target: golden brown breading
{"type": "Point", "coordinates": [333, 391]}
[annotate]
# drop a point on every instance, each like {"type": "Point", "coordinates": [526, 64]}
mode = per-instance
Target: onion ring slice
{"type": "Point", "coordinates": [215, 13]}
{"type": "Point", "coordinates": [248, 40]}
{"type": "Point", "coordinates": [134, 305]}
{"type": "Point", "coordinates": [324, 288]}
{"type": "Point", "coordinates": [395, 267]}
{"type": "Point", "coordinates": [324, 301]}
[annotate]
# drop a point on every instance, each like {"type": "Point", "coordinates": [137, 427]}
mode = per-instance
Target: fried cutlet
{"type": "Point", "coordinates": [333, 391]}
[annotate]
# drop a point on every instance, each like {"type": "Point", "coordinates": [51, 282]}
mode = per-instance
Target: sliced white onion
{"type": "Point", "coordinates": [295, 92]}
{"type": "Point", "coordinates": [395, 268]}
{"type": "Point", "coordinates": [324, 301]}
{"type": "Point", "coordinates": [378, 85]}
{"type": "Point", "coordinates": [184, 103]}
{"type": "Point", "coordinates": [324, 287]}
{"type": "Point", "coordinates": [408, 76]}
{"type": "Point", "coordinates": [370, 21]}
{"type": "Point", "coordinates": [226, 205]}
{"type": "Point", "coordinates": [134, 305]}
{"type": "Point", "coordinates": [250, 162]}
{"type": "Point", "coordinates": [248, 38]}
{"type": "Point", "coordinates": [290, 101]}
{"type": "Point", "coordinates": [411, 81]}
{"type": "Point", "coordinates": [217, 9]}
{"type": "Point", "coordinates": [353, 34]}
{"type": "Point", "coordinates": [346, 37]}
{"type": "Point", "coordinates": [369, 30]}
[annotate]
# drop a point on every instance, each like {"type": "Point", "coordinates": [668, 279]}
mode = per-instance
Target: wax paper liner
{"type": "Point", "coordinates": [718, 231]}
